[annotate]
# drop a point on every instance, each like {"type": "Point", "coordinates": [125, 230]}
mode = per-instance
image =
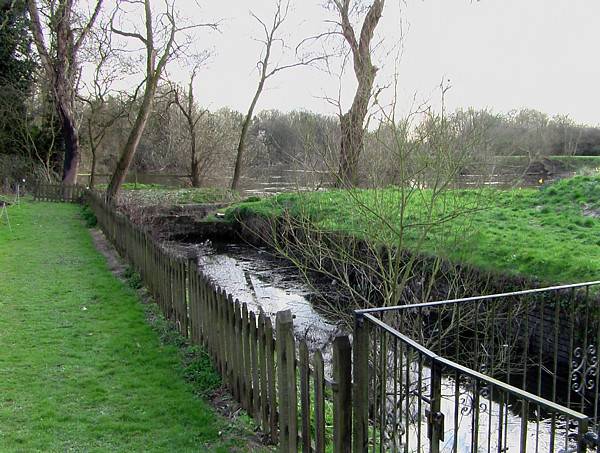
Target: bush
{"type": "Point", "coordinates": [89, 217]}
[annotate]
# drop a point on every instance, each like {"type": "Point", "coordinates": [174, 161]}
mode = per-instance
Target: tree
{"type": "Point", "coordinates": [161, 45]}
{"type": "Point", "coordinates": [17, 70]}
{"type": "Point", "coordinates": [272, 36]}
{"type": "Point", "coordinates": [99, 117]}
{"type": "Point", "coordinates": [352, 122]}
{"type": "Point", "coordinates": [60, 63]}
{"type": "Point", "coordinates": [187, 106]}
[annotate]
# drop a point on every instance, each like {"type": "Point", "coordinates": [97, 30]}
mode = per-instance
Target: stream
{"type": "Point", "coordinates": [270, 284]}
{"type": "Point", "coordinates": [266, 284]}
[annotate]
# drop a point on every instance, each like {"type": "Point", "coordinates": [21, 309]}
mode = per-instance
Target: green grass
{"type": "Point", "coordinates": [571, 163]}
{"type": "Point", "coordinates": [80, 368]}
{"type": "Point", "coordinates": [541, 234]}
{"type": "Point", "coordinates": [150, 194]}
{"type": "Point", "coordinates": [579, 163]}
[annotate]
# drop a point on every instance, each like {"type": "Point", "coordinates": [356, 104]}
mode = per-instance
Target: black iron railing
{"type": "Point", "coordinates": [504, 372]}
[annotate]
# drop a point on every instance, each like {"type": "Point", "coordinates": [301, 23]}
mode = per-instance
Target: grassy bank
{"type": "Point", "coordinates": [569, 163]}
{"type": "Point", "coordinates": [551, 234]}
{"type": "Point", "coordinates": [81, 369]}
{"type": "Point", "coordinates": [153, 194]}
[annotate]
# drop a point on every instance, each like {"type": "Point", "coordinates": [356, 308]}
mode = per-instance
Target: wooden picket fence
{"type": "Point", "coordinates": [272, 375]}
{"type": "Point", "coordinates": [71, 193]}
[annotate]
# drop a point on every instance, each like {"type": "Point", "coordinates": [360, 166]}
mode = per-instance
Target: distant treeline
{"type": "Point", "coordinates": [297, 139]}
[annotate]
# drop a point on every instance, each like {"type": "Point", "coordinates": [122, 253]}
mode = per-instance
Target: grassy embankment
{"type": "Point", "coordinates": [81, 368]}
{"type": "Point", "coordinates": [551, 234]}
{"type": "Point", "coordinates": [583, 164]}
{"type": "Point", "coordinates": [149, 194]}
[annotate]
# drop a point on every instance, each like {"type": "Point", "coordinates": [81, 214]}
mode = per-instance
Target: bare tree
{"type": "Point", "coordinates": [108, 70]}
{"type": "Point", "coordinates": [272, 37]}
{"type": "Point", "coordinates": [352, 122]}
{"type": "Point", "coordinates": [187, 106]}
{"type": "Point", "coordinates": [392, 246]}
{"type": "Point", "coordinates": [61, 66]}
{"type": "Point", "coordinates": [167, 30]}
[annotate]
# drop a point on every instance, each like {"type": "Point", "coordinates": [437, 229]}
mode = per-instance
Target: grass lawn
{"type": "Point", "coordinates": [551, 234]}
{"type": "Point", "coordinates": [80, 368]}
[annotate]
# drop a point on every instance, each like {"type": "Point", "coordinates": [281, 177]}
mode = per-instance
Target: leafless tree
{"type": "Point", "coordinates": [186, 104]}
{"type": "Point", "coordinates": [392, 246]}
{"type": "Point", "coordinates": [272, 37]}
{"type": "Point", "coordinates": [108, 69]}
{"type": "Point", "coordinates": [352, 122]}
{"type": "Point", "coordinates": [164, 38]}
{"type": "Point", "coordinates": [67, 31]}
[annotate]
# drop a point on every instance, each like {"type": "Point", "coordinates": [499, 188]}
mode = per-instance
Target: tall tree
{"type": "Point", "coordinates": [17, 67]}
{"type": "Point", "coordinates": [186, 103]}
{"type": "Point", "coordinates": [272, 36]}
{"type": "Point", "coordinates": [67, 32]}
{"type": "Point", "coordinates": [105, 105]}
{"type": "Point", "coordinates": [352, 122]}
{"type": "Point", "coordinates": [159, 41]}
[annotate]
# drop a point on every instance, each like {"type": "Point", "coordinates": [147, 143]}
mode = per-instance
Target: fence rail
{"type": "Point", "coordinates": [462, 375]}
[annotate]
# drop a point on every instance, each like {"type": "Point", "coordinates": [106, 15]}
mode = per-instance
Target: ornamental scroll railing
{"type": "Point", "coordinates": [504, 372]}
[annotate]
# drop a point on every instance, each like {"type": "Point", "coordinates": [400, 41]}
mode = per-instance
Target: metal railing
{"type": "Point", "coordinates": [505, 372]}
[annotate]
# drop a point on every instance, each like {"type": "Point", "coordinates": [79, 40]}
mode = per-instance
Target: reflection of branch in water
{"type": "Point", "coordinates": [251, 287]}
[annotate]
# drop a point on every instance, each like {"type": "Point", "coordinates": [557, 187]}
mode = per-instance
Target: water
{"type": "Point", "coordinates": [268, 285]}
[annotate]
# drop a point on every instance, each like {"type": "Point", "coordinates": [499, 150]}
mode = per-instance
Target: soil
{"type": "Point", "coordinates": [179, 222]}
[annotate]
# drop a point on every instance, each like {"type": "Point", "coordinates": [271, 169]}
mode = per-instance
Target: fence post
{"type": "Point", "coordinates": [286, 379]}
{"type": "Point", "coordinates": [319, 369]}
{"type": "Point", "coordinates": [361, 384]}
{"type": "Point", "coordinates": [245, 362]}
{"type": "Point", "coordinates": [305, 395]}
{"type": "Point", "coordinates": [254, 367]}
{"type": "Point", "coordinates": [342, 401]}
{"type": "Point", "coordinates": [270, 343]}
{"type": "Point", "coordinates": [262, 364]}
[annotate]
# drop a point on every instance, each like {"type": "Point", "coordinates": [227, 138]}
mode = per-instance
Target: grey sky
{"type": "Point", "coordinates": [501, 54]}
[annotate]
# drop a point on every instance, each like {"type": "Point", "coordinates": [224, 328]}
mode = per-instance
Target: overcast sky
{"type": "Point", "coordinates": [499, 54]}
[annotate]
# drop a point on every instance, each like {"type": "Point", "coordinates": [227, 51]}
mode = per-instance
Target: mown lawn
{"type": "Point", "coordinates": [551, 234]}
{"type": "Point", "coordinates": [80, 368]}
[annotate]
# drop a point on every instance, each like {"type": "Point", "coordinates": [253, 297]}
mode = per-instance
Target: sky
{"type": "Point", "coordinates": [496, 54]}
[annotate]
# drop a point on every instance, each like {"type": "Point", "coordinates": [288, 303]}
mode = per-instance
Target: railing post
{"type": "Point", "coordinates": [435, 418]}
{"type": "Point", "coordinates": [286, 379]}
{"type": "Point", "coordinates": [583, 427]}
{"type": "Point", "coordinates": [342, 400]}
{"type": "Point", "coordinates": [361, 385]}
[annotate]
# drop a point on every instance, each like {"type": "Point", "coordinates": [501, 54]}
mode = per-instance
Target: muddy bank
{"type": "Point", "coordinates": [186, 222]}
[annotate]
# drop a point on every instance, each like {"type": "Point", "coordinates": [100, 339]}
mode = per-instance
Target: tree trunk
{"type": "Point", "coordinates": [132, 142]}
{"type": "Point", "coordinates": [195, 164]}
{"type": "Point", "coordinates": [237, 172]}
{"type": "Point", "coordinates": [352, 122]}
{"type": "Point", "coordinates": [93, 170]}
{"type": "Point", "coordinates": [72, 150]}
{"type": "Point", "coordinates": [352, 133]}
